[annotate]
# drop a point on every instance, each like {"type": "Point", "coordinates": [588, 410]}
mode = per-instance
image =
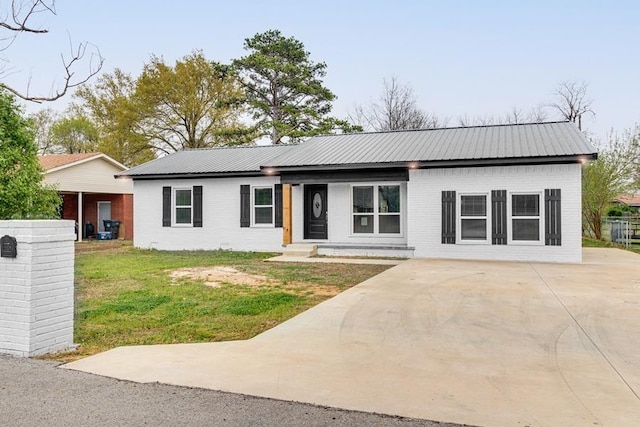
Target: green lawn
{"type": "Point", "coordinates": [127, 296]}
{"type": "Point", "coordinates": [588, 242]}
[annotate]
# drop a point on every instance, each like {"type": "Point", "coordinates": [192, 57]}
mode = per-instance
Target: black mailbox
{"type": "Point", "coordinates": [8, 247]}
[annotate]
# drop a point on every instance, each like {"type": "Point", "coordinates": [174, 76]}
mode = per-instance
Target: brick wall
{"type": "Point", "coordinates": [221, 218]}
{"type": "Point", "coordinates": [425, 210]}
{"type": "Point", "coordinates": [36, 288]}
{"type": "Point", "coordinates": [121, 210]}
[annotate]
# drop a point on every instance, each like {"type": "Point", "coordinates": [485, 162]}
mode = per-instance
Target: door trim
{"type": "Point", "coordinates": [309, 190]}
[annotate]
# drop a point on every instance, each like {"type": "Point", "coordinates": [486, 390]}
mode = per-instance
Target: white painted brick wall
{"type": "Point", "coordinates": [221, 218]}
{"type": "Point", "coordinates": [425, 210]}
{"type": "Point", "coordinates": [340, 217]}
{"type": "Point", "coordinates": [36, 288]}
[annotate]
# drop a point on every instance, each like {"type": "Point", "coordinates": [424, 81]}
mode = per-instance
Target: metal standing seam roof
{"type": "Point", "coordinates": [532, 140]}
{"type": "Point", "coordinates": [226, 160]}
{"type": "Point", "coordinates": [553, 139]}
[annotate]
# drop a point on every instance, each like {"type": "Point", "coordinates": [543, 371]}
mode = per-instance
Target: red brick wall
{"type": "Point", "coordinates": [121, 210]}
{"type": "Point", "coordinates": [70, 206]}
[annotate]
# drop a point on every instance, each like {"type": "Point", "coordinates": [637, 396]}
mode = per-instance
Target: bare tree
{"type": "Point", "coordinates": [17, 21]}
{"type": "Point", "coordinates": [572, 101]}
{"type": "Point", "coordinates": [486, 120]}
{"type": "Point", "coordinates": [395, 109]}
{"type": "Point", "coordinates": [41, 122]}
{"type": "Point", "coordinates": [515, 116]}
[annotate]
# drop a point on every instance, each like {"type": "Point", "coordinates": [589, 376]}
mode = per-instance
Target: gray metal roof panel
{"type": "Point", "coordinates": [214, 160]}
{"type": "Point", "coordinates": [464, 143]}
{"type": "Point", "coordinates": [535, 140]}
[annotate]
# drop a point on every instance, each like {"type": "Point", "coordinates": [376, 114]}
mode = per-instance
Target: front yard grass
{"type": "Point", "coordinates": [127, 296]}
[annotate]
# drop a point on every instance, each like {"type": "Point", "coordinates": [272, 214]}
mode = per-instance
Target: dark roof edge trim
{"type": "Point", "coordinates": [192, 175]}
{"type": "Point", "coordinates": [507, 161]}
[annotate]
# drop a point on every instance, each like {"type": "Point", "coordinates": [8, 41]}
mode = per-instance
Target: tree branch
{"type": "Point", "coordinates": [68, 82]}
{"type": "Point", "coordinates": [21, 13]}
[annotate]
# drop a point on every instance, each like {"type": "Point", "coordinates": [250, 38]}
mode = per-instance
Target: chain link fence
{"type": "Point", "coordinates": [623, 231]}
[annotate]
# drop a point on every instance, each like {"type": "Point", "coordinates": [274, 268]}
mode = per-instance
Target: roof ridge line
{"type": "Point", "coordinates": [444, 128]}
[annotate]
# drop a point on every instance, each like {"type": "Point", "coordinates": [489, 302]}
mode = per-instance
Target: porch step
{"type": "Point", "coordinates": [300, 250]}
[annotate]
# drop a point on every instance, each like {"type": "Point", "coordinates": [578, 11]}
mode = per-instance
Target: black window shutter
{"type": "Point", "coordinates": [166, 206]}
{"type": "Point", "coordinates": [197, 205]}
{"type": "Point", "coordinates": [552, 223]}
{"type": "Point", "coordinates": [448, 217]}
{"type": "Point", "coordinates": [277, 197]}
{"type": "Point", "coordinates": [245, 206]}
{"type": "Point", "coordinates": [499, 217]}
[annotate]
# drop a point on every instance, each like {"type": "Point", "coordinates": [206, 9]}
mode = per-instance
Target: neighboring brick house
{"type": "Point", "coordinates": [505, 192]}
{"type": "Point", "coordinates": [90, 192]}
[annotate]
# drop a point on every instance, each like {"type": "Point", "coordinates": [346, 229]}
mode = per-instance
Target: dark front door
{"type": "Point", "coordinates": [315, 211]}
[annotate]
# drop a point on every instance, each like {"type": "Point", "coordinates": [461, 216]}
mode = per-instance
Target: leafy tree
{"type": "Point", "coordinates": [111, 106]}
{"type": "Point", "coordinates": [22, 193]}
{"type": "Point", "coordinates": [284, 89]}
{"type": "Point", "coordinates": [611, 174]}
{"type": "Point", "coordinates": [193, 104]}
{"type": "Point", "coordinates": [395, 109]}
{"type": "Point", "coordinates": [75, 134]}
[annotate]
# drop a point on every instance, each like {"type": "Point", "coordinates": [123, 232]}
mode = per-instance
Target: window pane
{"type": "Point", "coordinates": [264, 215]}
{"type": "Point", "coordinates": [525, 205]}
{"type": "Point", "coordinates": [183, 215]}
{"type": "Point", "coordinates": [389, 223]}
{"type": "Point", "coordinates": [362, 199]}
{"type": "Point", "coordinates": [526, 229]}
{"type": "Point", "coordinates": [183, 197]}
{"type": "Point", "coordinates": [474, 229]}
{"type": "Point", "coordinates": [262, 196]}
{"type": "Point", "coordinates": [388, 198]}
{"type": "Point", "coordinates": [363, 223]}
{"type": "Point", "coordinates": [473, 205]}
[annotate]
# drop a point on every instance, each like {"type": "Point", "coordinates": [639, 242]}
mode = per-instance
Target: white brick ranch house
{"type": "Point", "coordinates": [505, 192]}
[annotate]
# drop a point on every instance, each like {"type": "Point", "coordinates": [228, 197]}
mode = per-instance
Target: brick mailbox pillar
{"type": "Point", "coordinates": [36, 286]}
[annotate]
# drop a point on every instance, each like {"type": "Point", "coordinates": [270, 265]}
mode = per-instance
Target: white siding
{"type": "Point", "coordinates": [424, 214]}
{"type": "Point", "coordinates": [220, 214]}
{"type": "Point", "coordinates": [340, 216]}
{"type": "Point", "coordinates": [94, 176]}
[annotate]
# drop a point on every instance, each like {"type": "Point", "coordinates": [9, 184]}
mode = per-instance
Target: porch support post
{"type": "Point", "coordinates": [286, 214]}
{"type": "Point", "coordinates": [80, 219]}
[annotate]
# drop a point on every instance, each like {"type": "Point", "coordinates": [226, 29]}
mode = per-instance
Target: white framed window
{"type": "Point", "coordinates": [473, 219]}
{"type": "Point", "coordinates": [526, 221]}
{"type": "Point", "coordinates": [376, 209]}
{"type": "Point", "coordinates": [183, 206]}
{"type": "Point", "coordinates": [262, 205]}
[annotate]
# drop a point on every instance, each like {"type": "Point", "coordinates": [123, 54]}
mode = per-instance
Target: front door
{"type": "Point", "coordinates": [315, 211]}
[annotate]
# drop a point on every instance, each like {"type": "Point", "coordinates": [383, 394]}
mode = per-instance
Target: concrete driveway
{"type": "Point", "coordinates": [481, 343]}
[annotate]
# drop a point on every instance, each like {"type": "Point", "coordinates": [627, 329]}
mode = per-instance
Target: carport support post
{"type": "Point", "coordinates": [80, 219]}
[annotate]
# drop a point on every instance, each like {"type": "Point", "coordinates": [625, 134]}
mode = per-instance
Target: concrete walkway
{"type": "Point", "coordinates": [481, 343]}
{"type": "Point", "coordinates": [328, 260]}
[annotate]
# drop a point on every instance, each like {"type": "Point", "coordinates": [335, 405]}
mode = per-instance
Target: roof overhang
{"type": "Point", "coordinates": [88, 159]}
{"type": "Point", "coordinates": [436, 164]}
{"type": "Point", "coordinates": [193, 175]}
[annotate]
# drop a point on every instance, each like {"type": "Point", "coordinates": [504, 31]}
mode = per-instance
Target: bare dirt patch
{"type": "Point", "coordinates": [219, 275]}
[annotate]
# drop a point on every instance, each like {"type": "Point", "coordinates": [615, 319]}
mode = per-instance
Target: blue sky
{"type": "Point", "coordinates": [479, 58]}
